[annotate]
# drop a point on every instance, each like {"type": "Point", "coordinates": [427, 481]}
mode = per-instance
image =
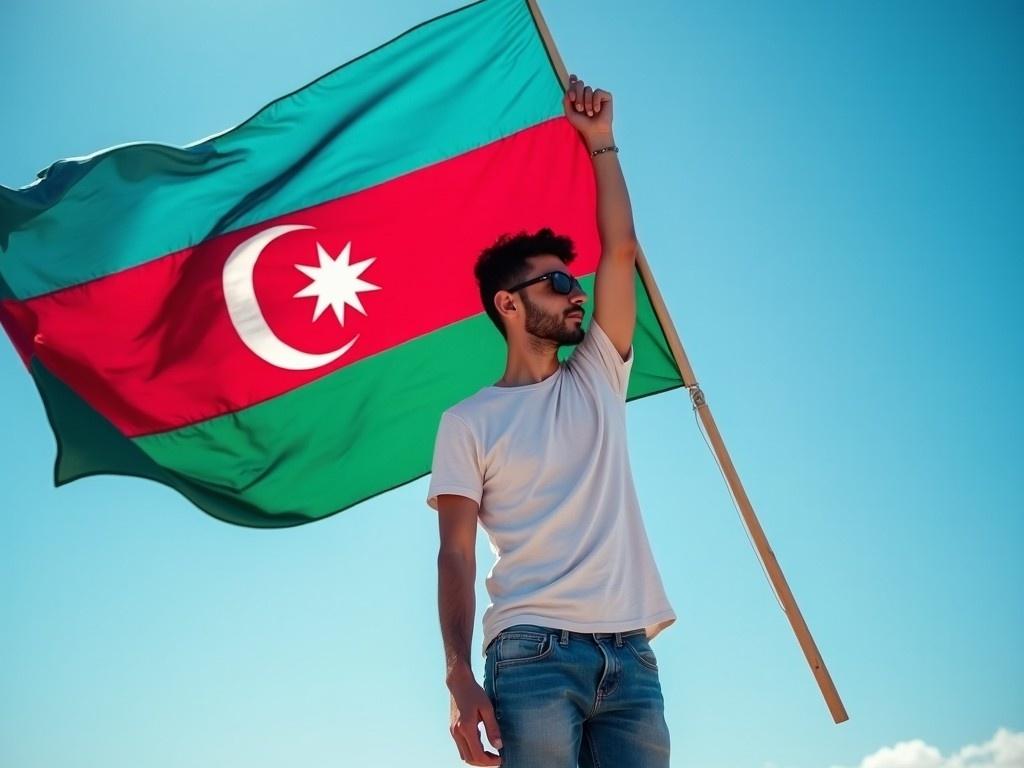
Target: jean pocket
{"type": "Point", "coordinates": [640, 647]}
{"type": "Point", "coordinates": [521, 647]}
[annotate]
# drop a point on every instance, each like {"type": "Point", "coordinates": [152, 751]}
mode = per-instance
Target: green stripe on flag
{"type": "Point", "coordinates": [87, 445]}
{"type": "Point", "coordinates": [379, 116]}
{"type": "Point", "coordinates": [361, 431]}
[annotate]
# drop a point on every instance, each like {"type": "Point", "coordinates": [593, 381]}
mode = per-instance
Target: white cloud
{"type": "Point", "coordinates": [1004, 750]}
{"type": "Point", "coordinates": [906, 754]}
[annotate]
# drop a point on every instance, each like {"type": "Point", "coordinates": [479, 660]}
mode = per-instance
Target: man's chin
{"type": "Point", "coordinates": [574, 338]}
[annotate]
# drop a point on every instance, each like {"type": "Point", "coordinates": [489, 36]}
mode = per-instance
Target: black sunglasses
{"type": "Point", "coordinates": [561, 282]}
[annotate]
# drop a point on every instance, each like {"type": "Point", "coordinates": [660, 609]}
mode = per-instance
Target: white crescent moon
{"type": "Point", "coordinates": [245, 312]}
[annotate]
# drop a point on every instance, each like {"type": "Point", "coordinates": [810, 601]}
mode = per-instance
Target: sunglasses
{"type": "Point", "coordinates": [561, 282]}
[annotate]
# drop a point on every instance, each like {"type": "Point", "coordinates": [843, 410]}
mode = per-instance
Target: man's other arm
{"type": "Point", "coordinates": [456, 604]}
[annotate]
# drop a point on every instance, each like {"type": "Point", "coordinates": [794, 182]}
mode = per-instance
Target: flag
{"type": "Point", "coordinates": [272, 320]}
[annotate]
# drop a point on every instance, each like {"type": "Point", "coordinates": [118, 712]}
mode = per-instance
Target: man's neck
{"type": "Point", "coordinates": [529, 363]}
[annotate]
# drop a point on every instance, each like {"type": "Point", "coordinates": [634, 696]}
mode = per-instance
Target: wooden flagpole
{"type": "Point", "coordinates": [764, 550]}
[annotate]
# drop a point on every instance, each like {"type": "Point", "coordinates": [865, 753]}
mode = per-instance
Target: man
{"type": "Point", "coordinates": [540, 460]}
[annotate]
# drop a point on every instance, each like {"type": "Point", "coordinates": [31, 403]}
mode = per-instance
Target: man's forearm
{"type": "Point", "coordinates": [456, 604]}
{"type": "Point", "coordinates": [614, 213]}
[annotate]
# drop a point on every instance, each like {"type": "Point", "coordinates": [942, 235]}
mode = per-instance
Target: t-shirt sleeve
{"type": "Point", "coordinates": [597, 355]}
{"type": "Point", "coordinates": [457, 467]}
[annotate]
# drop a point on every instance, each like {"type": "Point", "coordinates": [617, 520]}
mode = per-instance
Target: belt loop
{"type": "Point", "coordinates": [618, 639]}
{"type": "Point", "coordinates": [565, 638]}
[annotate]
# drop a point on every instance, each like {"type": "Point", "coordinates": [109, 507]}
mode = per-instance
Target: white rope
{"type": "Point", "coordinates": [743, 524]}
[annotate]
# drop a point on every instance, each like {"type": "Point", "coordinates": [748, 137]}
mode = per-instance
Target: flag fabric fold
{"type": "Point", "coordinates": [271, 320]}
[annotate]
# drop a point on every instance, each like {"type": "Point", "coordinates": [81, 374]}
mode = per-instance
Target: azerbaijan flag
{"type": "Point", "coordinates": [271, 320]}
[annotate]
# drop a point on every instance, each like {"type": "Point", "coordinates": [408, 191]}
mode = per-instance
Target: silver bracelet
{"type": "Point", "coordinates": [612, 148]}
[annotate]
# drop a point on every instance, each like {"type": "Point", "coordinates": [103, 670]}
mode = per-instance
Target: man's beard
{"type": "Point", "coordinates": [552, 327]}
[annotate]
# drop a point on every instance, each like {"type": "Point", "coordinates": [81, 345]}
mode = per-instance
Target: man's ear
{"type": "Point", "coordinates": [506, 304]}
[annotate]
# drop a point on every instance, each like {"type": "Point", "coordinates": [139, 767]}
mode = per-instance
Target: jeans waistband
{"type": "Point", "coordinates": [595, 636]}
{"type": "Point", "coordinates": [566, 634]}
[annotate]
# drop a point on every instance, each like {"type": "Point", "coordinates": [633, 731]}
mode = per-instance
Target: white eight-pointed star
{"type": "Point", "coordinates": [336, 283]}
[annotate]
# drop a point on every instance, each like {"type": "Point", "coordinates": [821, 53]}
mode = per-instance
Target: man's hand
{"type": "Point", "coordinates": [470, 705]}
{"type": "Point", "coordinates": [589, 111]}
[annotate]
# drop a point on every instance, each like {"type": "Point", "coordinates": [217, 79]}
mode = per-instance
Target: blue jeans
{"type": "Point", "coordinates": [562, 697]}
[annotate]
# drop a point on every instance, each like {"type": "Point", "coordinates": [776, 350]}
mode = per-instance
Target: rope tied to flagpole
{"type": "Point", "coordinates": [699, 401]}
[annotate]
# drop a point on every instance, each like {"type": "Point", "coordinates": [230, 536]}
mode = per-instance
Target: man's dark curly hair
{"type": "Point", "coordinates": [504, 264]}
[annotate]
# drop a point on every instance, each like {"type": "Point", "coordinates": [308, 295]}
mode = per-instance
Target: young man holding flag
{"type": "Point", "coordinates": [540, 460]}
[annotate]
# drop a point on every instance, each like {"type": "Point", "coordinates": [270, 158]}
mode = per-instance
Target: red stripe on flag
{"type": "Point", "coordinates": [154, 347]}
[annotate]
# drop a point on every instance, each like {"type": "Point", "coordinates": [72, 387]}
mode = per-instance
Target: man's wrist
{"type": "Point", "coordinates": [598, 141]}
{"type": "Point", "coordinates": [459, 673]}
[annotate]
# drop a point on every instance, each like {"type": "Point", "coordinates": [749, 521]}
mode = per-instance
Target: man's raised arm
{"type": "Point", "coordinates": [590, 112]}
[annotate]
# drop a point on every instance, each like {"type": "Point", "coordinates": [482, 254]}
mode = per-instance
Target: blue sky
{"type": "Point", "coordinates": [829, 196]}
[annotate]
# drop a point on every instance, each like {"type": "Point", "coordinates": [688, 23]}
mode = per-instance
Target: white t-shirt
{"type": "Point", "coordinates": [548, 465]}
